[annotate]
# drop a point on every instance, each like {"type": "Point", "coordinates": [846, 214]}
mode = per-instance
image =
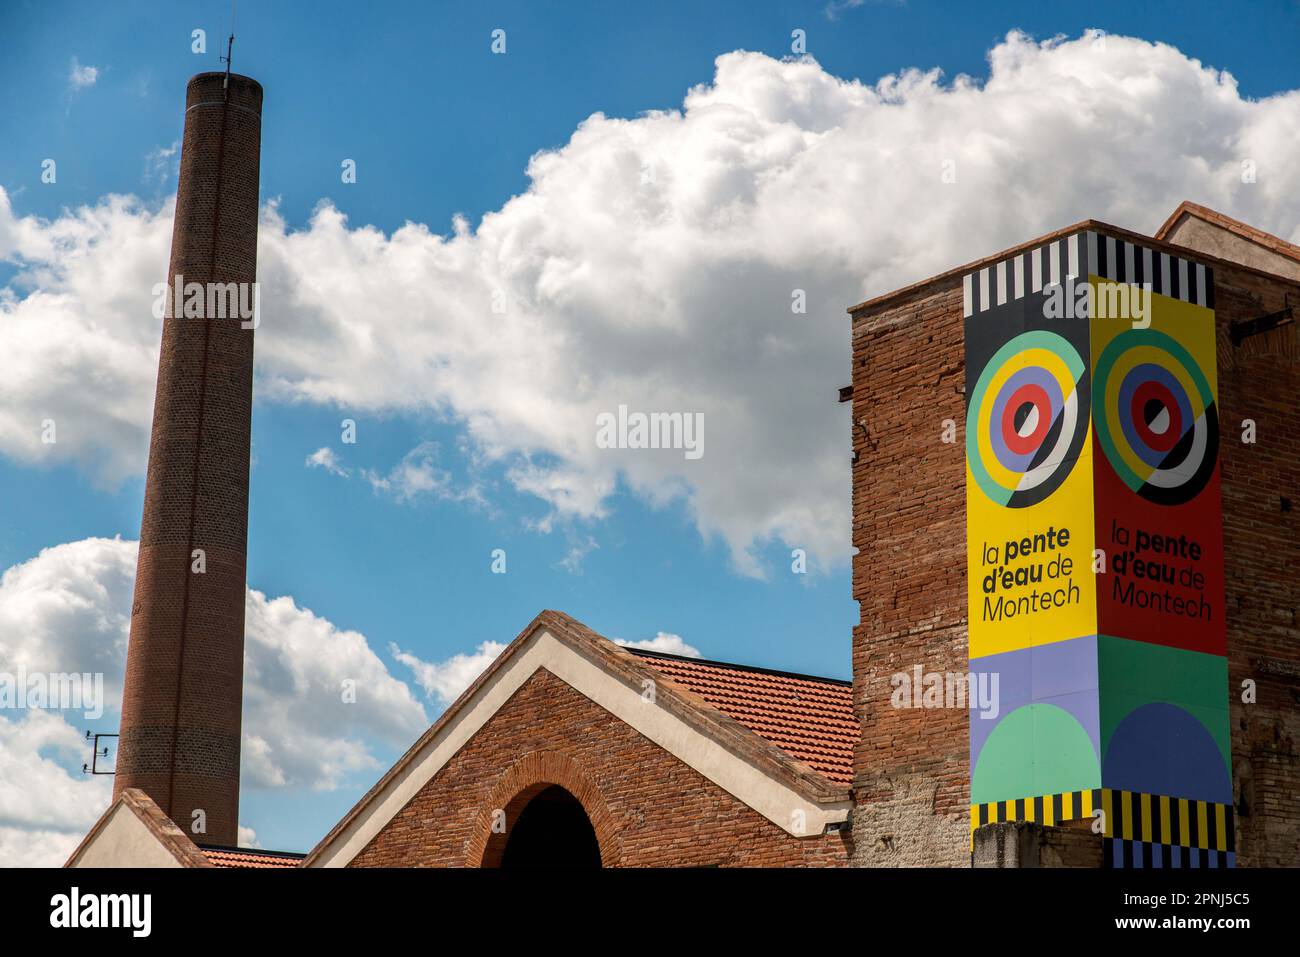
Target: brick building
{"type": "Point", "coordinates": [571, 750]}
{"type": "Point", "coordinates": [912, 778]}
{"type": "Point", "coordinates": [665, 760]}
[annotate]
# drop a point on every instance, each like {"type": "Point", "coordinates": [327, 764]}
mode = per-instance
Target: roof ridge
{"type": "Point", "coordinates": [163, 829]}
{"type": "Point", "coordinates": [252, 851]}
{"type": "Point", "coordinates": [756, 669]}
{"type": "Point", "coordinates": [1253, 234]}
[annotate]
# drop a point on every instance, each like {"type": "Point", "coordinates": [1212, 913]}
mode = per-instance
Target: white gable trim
{"type": "Point", "coordinates": [773, 799]}
{"type": "Point", "coordinates": [124, 841]}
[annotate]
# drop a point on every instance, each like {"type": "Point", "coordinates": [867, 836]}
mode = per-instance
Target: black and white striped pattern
{"type": "Point", "coordinates": [1172, 276]}
{"type": "Point", "coordinates": [1029, 272]}
{"type": "Point", "coordinates": [1081, 254]}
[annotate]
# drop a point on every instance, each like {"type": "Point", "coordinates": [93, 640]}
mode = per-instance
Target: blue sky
{"type": "Point", "coordinates": [444, 127]}
{"type": "Point", "coordinates": [439, 127]}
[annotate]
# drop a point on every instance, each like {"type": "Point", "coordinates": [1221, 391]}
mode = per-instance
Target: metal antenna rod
{"type": "Point", "coordinates": [230, 43]}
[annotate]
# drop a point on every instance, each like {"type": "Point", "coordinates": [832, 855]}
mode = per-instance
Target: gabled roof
{"type": "Point", "coordinates": [134, 832]}
{"type": "Point", "coordinates": [699, 732]}
{"type": "Point", "coordinates": [809, 718]}
{"type": "Point", "coordinates": [1247, 232]}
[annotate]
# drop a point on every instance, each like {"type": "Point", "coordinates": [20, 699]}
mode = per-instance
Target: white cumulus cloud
{"type": "Point", "coordinates": [78, 341]}
{"type": "Point", "coordinates": [443, 681]}
{"type": "Point", "coordinates": [664, 641]}
{"type": "Point", "coordinates": [45, 809]}
{"type": "Point", "coordinates": [315, 695]}
{"type": "Point", "coordinates": [653, 262]}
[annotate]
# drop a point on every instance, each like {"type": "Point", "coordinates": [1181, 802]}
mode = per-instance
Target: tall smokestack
{"type": "Point", "coordinates": [184, 670]}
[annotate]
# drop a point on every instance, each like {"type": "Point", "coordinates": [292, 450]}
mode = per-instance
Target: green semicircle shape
{"type": "Point", "coordinates": [1037, 749]}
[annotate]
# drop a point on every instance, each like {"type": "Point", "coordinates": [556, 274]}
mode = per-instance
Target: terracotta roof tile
{"type": "Point", "coordinates": [809, 718]}
{"type": "Point", "coordinates": [248, 857]}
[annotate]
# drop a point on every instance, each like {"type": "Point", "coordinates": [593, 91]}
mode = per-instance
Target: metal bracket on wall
{"type": "Point", "coordinates": [1245, 328]}
{"type": "Point", "coordinates": [96, 754]}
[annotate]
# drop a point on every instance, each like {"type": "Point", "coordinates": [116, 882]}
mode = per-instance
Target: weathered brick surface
{"type": "Point", "coordinates": [181, 703]}
{"type": "Point", "coordinates": [1260, 380]}
{"type": "Point", "coordinates": [912, 776]}
{"type": "Point", "coordinates": [1026, 844]}
{"type": "Point", "coordinates": [911, 784]}
{"type": "Point", "coordinates": [648, 808]}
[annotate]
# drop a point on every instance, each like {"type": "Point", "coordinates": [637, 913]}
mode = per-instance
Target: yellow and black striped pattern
{"type": "Point", "coordinates": [1157, 819]}
{"type": "Point", "coordinates": [1128, 815]}
{"type": "Point", "coordinates": [1049, 809]}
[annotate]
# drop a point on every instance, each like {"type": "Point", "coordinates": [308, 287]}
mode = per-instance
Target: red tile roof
{"type": "Point", "coordinates": [809, 718]}
{"type": "Point", "coordinates": [250, 857]}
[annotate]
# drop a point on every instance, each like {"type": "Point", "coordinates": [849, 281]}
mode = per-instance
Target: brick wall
{"type": "Point", "coordinates": [648, 808]}
{"type": "Point", "coordinates": [180, 730]}
{"type": "Point", "coordinates": [1260, 380]}
{"type": "Point", "coordinates": [912, 780]}
{"type": "Point", "coordinates": [909, 528]}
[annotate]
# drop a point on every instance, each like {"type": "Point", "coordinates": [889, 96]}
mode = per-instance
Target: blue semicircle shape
{"type": "Point", "coordinates": [1161, 749]}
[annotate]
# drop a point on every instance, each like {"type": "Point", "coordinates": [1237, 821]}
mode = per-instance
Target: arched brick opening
{"type": "Point", "coordinates": [518, 785]}
{"type": "Point", "coordinates": [551, 831]}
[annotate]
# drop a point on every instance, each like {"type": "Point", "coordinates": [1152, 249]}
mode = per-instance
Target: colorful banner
{"type": "Point", "coordinates": [1029, 522]}
{"type": "Point", "coordinates": [1094, 529]}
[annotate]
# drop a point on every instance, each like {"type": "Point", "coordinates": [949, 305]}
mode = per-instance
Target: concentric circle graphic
{"type": "Point", "coordinates": [1026, 421]}
{"type": "Point", "coordinates": [1156, 417]}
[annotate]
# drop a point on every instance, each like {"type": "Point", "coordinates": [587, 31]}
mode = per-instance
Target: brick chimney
{"type": "Point", "coordinates": [183, 694]}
